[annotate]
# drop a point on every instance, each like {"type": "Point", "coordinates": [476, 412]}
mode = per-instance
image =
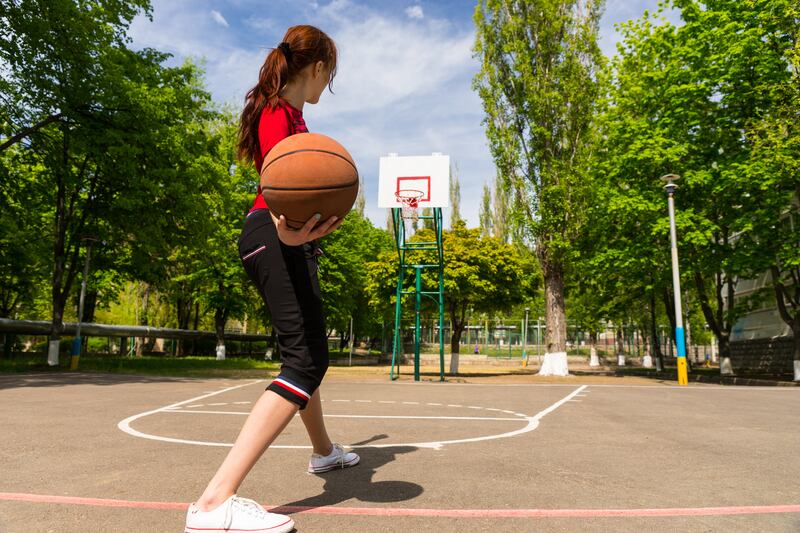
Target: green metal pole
{"type": "Point", "coordinates": [417, 303]}
{"type": "Point", "coordinates": [441, 323]}
{"type": "Point", "coordinates": [438, 214]}
{"type": "Point", "coordinates": [397, 345]}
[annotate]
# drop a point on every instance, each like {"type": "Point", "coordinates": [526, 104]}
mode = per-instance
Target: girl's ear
{"type": "Point", "coordinates": [319, 67]}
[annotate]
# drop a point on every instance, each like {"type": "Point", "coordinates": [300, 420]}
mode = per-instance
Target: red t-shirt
{"type": "Point", "coordinates": [274, 126]}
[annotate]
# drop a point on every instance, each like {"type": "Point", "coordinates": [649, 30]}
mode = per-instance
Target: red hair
{"type": "Point", "coordinates": [306, 46]}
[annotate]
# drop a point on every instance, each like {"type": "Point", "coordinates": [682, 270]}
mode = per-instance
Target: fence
{"type": "Point", "coordinates": [30, 336]}
{"type": "Point", "coordinates": [504, 339]}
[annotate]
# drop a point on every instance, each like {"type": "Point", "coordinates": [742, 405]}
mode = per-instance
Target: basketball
{"type": "Point", "coordinates": [309, 173]}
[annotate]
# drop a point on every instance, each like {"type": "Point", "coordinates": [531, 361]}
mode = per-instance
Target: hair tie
{"type": "Point", "coordinates": [287, 52]}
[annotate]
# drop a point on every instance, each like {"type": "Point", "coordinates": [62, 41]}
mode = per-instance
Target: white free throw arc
{"type": "Point", "coordinates": [531, 423]}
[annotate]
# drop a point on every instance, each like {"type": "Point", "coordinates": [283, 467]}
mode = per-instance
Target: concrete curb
{"type": "Point", "coordinates": [726, 380]}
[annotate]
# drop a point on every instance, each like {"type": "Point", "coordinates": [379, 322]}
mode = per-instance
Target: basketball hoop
{"type": "Point", "coordinates": [409, 198]}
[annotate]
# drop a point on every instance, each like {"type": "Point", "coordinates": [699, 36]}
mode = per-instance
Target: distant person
{"type": "Point", "coordinates": [283, 265]}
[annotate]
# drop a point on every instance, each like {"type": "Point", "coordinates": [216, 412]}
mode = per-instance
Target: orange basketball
{"type": "Point", "coordinates": [309, 173]}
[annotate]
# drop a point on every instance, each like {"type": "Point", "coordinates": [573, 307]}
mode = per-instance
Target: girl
{"type": "Point", "coordinates": [282, 264]}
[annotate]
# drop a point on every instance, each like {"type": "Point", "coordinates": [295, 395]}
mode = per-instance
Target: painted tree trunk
{"type": "Point", "coordinates": [594, 360]}
{"type": "Point", "coordinates": [647, 360]}
{"type": "Point", "coordinates": [620, 347]}
{"type": "Point", "coordinates": [220, 317]}
{"type": "Point", "coordinates": [555, 357]}
{"type": "Point", "coordinates": [725, 366]}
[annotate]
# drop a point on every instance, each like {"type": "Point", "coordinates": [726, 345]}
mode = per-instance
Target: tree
{"type": "Point", "coordinates": [538, 86]}
{"type": "Point", "coordinates": [694, 100]}
{"type": "Point", "coordinates": [455, 197]}
{"type": "Point", "coordinates": [485, 215]}
{"type": "Point", "coordinates": [103, 122]}
{"type": "Point", "coordinates": [344, 275]}
{"type": "Point", "coordinates": [500, 227]}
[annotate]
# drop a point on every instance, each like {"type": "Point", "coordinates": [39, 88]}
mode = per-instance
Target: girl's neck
{"type": "Point", "coordinates": [293, 94]}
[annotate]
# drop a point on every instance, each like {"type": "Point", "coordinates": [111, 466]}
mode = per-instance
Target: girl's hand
{"type": "Point", "coordinates": [307, 233]}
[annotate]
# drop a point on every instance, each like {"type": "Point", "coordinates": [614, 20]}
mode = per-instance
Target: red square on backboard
{"type": "Point", "coordinates": [416, 183]}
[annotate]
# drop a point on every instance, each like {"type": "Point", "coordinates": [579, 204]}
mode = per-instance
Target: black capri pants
{"type": "Point", "coordinates": [286, 277]}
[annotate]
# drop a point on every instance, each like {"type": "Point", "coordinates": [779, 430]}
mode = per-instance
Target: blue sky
{"type": "Point", "coordinates": [405, 72]}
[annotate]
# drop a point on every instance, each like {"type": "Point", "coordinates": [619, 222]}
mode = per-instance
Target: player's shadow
{"type": "Point", "coordinates": [356, 482]}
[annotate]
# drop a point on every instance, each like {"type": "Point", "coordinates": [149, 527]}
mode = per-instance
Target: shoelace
{"type": "Point", "coordinates": [340, 450]}
{"type": "Point", "coordinates": [251, 507]}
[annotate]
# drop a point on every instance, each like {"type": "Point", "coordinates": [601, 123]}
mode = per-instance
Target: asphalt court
{"type": "Point", "coordinates": [89, 452]}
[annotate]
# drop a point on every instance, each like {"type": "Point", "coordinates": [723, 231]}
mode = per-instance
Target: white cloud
{"type": "Point", "coordinates": [261, 23]}
{"type": "Point", "coordinates": [218, 18]}
{"type": "Point", "coordinates": [415, 12]}
{"type": "Point", "coordinates": [383, 61]}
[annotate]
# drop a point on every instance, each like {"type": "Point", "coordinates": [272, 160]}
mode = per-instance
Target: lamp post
{"type": "Point", "coordinates": [680, 341]}
{"type": "Point", "coordinates": [525, 338]}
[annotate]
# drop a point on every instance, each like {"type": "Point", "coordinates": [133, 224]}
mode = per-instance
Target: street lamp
{"type": "Point", "coordinates": [680, 341]}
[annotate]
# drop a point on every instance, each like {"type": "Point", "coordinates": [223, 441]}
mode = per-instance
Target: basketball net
{"type": "Point", "coordinates": [409, 199]}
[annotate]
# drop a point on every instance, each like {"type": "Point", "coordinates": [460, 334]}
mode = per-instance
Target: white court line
{"type": "Point", "coordinates": [694, 386]}
{"type": "Point", "coordinates": [194, 411]}
{"type": "Point", "coordinates": [125, 425]}
{"type": "Point", "coordinates": [532, 424]}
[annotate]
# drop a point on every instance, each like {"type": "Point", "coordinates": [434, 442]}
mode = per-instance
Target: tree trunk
{"type": "Point", "coordinates": [455, 339]}
{"type": "Point", "coordinates": [669, 307]}
{"type": "Point", "coordinates": [796, 357]}
{"type": "Point", "coordinates": [143, 319]}
{"type": "Point", "coordinates": [716, 322]}
{"type": "Point", "coordinates": [782, 296]}
{"type": "Point", "coordinates": [344, 338]}
{"type": "Point", "coordinates": [220, 318]}
{"type": "Point", "coordinates": [184, 310]}
{"type": "Point", "coordinates": [555, 357]}
{"type": "Point", "coordinates": [654, 334]}
{"type": "Point", "coordinates": [457, 322]}
{"type": "Point", "coordinates": [620, 347]}
{"type": "Point", "coordinates": [593, 359]}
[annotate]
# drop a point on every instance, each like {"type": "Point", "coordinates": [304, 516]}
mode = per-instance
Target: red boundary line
{"type": "Point", "coordinates": [442, 513]}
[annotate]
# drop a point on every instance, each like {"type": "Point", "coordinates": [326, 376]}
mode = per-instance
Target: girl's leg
{"type": "Point", "coordinates": [266, 421]}
{"type": "Point", "coordinates": [315, 425]}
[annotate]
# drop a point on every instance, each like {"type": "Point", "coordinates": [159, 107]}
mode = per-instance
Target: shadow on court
{"type": "Point", "coordinates": [60, 379]}
{"type": "Point", "coordinates": [357, 481]}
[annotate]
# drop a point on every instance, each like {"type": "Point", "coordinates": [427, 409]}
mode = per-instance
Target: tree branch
{"type": "Point", "coordinates": [780, 293]}
{"type": "Point", "coordinates": [28, 131]}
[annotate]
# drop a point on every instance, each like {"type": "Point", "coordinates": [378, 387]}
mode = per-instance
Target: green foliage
{"type": "Point", "coordinates": [344, 274]}
{"type": "Point", "coordinates": [538, 87]}
{"type": "Point", "coordinates": [710, 100]}
{"type": "Point", "coordinates": [104, 134]}
{"type": "Point", "coordinates": [481, 274]}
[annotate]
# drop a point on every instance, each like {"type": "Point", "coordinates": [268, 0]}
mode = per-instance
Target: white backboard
{"type": "Point", "coordinates": [429, 174]}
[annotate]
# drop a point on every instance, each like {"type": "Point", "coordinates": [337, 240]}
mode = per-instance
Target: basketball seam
{"type": "Point", "coordinates": [311, 150]}
{"type": "Point", "coordinates": [309, 188]}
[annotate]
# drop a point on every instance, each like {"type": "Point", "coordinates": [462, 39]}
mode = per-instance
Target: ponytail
{"type": "Point", "coordinates": [301, 46]}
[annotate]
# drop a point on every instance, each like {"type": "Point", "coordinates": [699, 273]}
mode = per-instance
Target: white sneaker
{"type": "Point", "coordinates": [338, 458]}
{"type": "Point", "coordinates": [236, 514]}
